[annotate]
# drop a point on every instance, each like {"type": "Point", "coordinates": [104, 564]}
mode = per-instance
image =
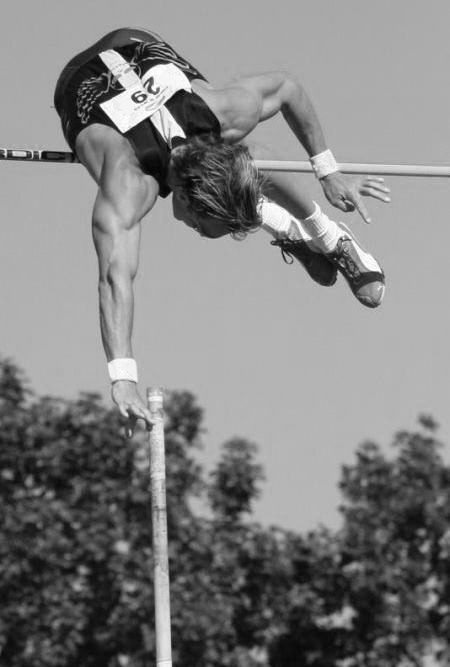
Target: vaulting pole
{"type": "Point", "coordinates": [420, 170]}
{"type": "Point", "coordinates": [159, 530]}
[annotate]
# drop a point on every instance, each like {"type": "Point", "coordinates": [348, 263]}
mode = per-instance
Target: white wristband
{"type": "Point", "coordinates": [123, 369]}
{"type": "Point", "coordinates": [324, 164]}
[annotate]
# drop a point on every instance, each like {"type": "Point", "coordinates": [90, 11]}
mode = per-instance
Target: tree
{"type": "Point", "coordinates": [376, 592]}
{"type": "Point", "coordinates": [395, 549]}
{"type": "Point", "coordinates": [75, 543]}
{"type": "Point", "coordinates": [75, 548]}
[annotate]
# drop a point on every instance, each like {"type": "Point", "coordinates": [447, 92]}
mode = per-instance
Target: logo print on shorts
{"type": "Point", "coordinates": [90, 91]}
{"type": "Point", "coordinates": [162, 52]}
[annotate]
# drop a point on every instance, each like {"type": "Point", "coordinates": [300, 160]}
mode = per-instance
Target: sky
{"type": "Point", "coordinates": [304, 371]}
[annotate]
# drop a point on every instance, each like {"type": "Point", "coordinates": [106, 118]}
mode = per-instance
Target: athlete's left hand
{"type": "Point", "coordinates": [346, 192]}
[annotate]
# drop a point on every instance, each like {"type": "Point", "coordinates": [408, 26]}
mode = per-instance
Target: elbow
{"type": "Point", "coordinates": [291, 88]}
{"type": "Point", "coordinates": [113, 292]}
{"type": "Point", "coordinates": [286, 80]}
{"type": "Point", "coordinates": [113, 281]}
{"type": "Point", "coordinates": [107, 288]}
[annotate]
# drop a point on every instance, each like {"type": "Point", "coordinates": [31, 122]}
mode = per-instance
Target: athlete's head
{"type": "Point", "coordinates": [218, 181]}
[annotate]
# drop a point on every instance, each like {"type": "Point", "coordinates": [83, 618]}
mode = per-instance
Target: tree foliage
{"type": "Point", "coordinates": [75, 548]}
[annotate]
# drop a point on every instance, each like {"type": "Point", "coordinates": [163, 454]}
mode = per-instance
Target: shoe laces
{"type": "Point", "coordinates": [342, 257]}
{"type": "Point", "coordinates": [286, 248]}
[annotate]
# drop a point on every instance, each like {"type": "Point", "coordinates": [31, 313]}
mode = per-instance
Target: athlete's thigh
{"type": "Point", "coordinates": [112, 163]}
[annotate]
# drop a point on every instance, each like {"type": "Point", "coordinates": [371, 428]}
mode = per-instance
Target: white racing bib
{"type": "Point", "coordinates": [144, 98]}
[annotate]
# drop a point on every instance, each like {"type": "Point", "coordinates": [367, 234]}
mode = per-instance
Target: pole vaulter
{"type": "Point", "coordinates": [145, 123]}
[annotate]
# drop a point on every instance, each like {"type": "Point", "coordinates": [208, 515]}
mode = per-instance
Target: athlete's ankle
{"type": "Point", "coordinates": [324, 233]}
{"type": "Point", "coordinates": [278, 222]}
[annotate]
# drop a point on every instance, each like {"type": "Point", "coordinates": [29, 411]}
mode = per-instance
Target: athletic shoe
{"type": "Point", "coordinates": [362, 272]}
{"type": "Point", "coordinates": [320, 269]}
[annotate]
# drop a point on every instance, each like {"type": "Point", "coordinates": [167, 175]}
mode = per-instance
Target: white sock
{"type": "Point", "coordinates": [280, 223]}
{"type": "Point", "coordinates": [317, 230]}
{"type": "Point", "coordinates": [324, 233]}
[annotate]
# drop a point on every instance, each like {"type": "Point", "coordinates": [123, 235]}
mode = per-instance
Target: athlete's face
{"type": "Point", "coordinates": [206, 226]}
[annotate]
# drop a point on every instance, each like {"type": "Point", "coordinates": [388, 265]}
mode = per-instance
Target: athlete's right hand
{"type": "Point", "coordinates": [131, 406]}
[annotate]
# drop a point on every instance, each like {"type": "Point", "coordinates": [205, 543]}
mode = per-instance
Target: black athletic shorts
{"type": "Point", "coordinates": [87, 85]}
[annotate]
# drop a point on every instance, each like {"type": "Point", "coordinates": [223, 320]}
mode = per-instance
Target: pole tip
{"type": "Point", "coordinates": [155, 393]}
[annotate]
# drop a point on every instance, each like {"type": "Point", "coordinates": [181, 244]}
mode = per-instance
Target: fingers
{"type": "Point", "coordinates": [377, 183]}
{"type": "Point", "coordinates": [132, 414]}
{"type": "Point", "coordinates": [375, 187]}
{"type": "Point", "coordinates": [348, 206]}
{"type": "Point", "coordinates": [353, 201]}
{"type": "Point", "coordinates": [362, 210]}
{"type": "Point", "coordinates": [123, 411]}
{"type": "Point", "coordinates": [342, 204]}
{"type": "Point", "coordinates": [376, 194]}
{"type": "Point", "coordinates": [147, 417]}
{"type": "Point", "coordinates": [370, 186]}
{"type": "Point", "coordinates": [346, 193]}
{"type": "Point", "coordinates": [131, 406]}
{"type": "Point", "coordinates": [131, 419]}
{"type": "Point", "coordinates": [130, 426]}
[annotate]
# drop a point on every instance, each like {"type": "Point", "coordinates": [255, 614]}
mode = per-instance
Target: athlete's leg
{"type": "Point", "coordinates": [289, 191]}
{"type": "Point", "coordinates": [299, 227]}
{"type": "Point", "coordinates": [285, 188]}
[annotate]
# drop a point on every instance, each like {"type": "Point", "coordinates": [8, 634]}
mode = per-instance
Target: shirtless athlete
{"type": "Point", "coordinates": [145, 123]}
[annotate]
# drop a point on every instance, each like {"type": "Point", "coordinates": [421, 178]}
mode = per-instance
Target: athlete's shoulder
{"type": "Point", "coordinates": [240, 109]}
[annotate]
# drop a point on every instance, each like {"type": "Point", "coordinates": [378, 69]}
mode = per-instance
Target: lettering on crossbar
{"type": "Point", "coordinates": [26, 154]}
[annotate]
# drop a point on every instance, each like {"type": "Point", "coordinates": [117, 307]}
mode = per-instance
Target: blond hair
{"type": "Point", "coordinates": [220, 180]}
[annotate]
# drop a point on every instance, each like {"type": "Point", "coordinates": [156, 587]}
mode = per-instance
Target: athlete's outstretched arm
{"type": "Point", "coordinates": [122, 200]}
{"type": "Point", "coordinates": [279, 92]}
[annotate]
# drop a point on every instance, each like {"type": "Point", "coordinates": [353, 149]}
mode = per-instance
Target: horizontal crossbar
{"type": "Point", "coordinates": [420, 170]}
{"type": "Point", "coordinates": [360, 168]}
